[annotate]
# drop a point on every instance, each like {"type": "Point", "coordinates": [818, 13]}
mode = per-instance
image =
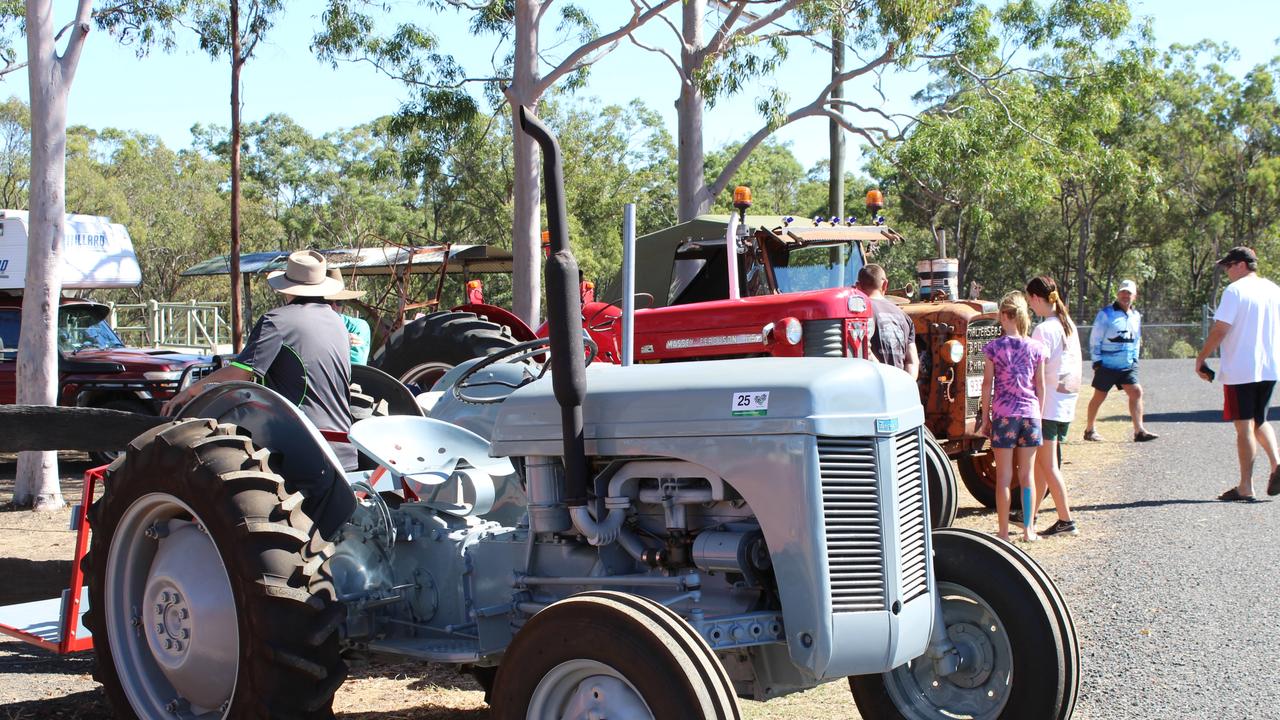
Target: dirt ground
{"type": "Point", "coordinates": [35, 562]}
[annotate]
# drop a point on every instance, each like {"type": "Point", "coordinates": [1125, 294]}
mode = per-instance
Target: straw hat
{"type": "Point", "coordinates": [305, 276]}
{"type": "Point", "coordinates": [343, 294]}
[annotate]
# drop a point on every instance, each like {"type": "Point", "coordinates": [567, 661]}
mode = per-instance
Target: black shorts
{"type": "Point", "coordinates": [1105, 379]}
{"type": "Point", "coordinates": [1247, 401]}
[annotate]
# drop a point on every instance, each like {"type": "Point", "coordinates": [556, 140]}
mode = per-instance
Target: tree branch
{"type": "Point", "coordinates": [726, 33]}
{"type": "Point", "coordinates": [75, 44]}
{"type": "Point", "coordinates": [670, 58]}
{"type": "Point", "coordinates": [573, 62]}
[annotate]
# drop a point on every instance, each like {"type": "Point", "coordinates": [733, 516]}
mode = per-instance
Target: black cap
{"type": "Point", "coordinates": [1239, 254]}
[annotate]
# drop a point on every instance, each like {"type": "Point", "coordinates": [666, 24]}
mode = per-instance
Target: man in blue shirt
{"type": "Point", "coordinates": [1115, 343]}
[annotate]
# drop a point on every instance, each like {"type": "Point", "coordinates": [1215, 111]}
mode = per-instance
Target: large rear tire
{"type": "Point", "coordinates": [1022, 656]}
{"type": "Point", "coordinates": [607, 654]}
{"type": "Point", "coordinates": [424, 350]}
{"type": "Point", "coordinates": [208, 595]}
{"type": "Point", "coordinates": [944, 489]}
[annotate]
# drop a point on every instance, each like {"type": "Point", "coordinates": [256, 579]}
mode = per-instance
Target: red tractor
{"type": "Point", "coordinates": [792, 295]}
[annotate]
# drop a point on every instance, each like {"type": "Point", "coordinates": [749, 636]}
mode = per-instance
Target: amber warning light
{"type": "Point", "coordinates": [875, 201]}
{"type": "Point", "coordinates": [742, 197]}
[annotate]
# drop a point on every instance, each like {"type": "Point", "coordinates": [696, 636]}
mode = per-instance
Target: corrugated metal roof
{"type": "Point", "coordinates": [371, 261]}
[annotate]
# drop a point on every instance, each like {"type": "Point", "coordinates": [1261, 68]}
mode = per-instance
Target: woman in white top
{"type": "Point", "coordinates": [1062, 372]}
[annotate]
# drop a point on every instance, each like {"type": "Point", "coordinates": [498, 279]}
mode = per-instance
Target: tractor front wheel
{"type": "Point", "coordinates": [608, 654]}
{"type": "Point", "coordinates": [1014, 635]}
{"type": "Point", "coordinates": [208, 596]}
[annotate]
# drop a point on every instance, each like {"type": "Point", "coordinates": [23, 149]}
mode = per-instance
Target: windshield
{"type": "Point", "coordinates": [80, 329]}
{"type": "Point", "coordinates": [819, 267]}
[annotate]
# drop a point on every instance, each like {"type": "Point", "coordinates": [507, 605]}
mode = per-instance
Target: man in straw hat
{"type": "Point", "coordinates": [357, 329]}
{"type": "Point", "coordinates": [299, 349]}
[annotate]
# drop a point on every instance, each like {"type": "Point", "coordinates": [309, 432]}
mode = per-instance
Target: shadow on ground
{"type": "Point", "coordinates": [41, 579]}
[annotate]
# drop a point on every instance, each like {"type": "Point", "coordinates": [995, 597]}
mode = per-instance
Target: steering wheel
{"type": "Point", "coordinates": [590, 323]}
{"type": "Point", "coordinates": [514, 354]}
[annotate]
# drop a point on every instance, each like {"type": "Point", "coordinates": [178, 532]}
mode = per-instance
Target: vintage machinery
{"type": "Point", "coordinates": [651, 541]}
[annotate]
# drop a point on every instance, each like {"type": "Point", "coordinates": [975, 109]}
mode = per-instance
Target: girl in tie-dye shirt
{"type": "Point", "coordinates": [1012, 392]}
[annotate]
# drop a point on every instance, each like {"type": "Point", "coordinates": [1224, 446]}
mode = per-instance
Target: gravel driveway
{"type": "Point", "coordinates": [1175, 595]}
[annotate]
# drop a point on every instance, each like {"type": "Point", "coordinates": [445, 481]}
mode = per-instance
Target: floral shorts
{"type": "Point", "coordinates": [1012, 432]}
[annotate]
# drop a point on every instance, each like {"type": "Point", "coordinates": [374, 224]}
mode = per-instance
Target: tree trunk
{"type": "Point", "coordinates": [237, 314]}
{"type": "Point", "coordinates": [526, 277]}
{"type": "Point", "coordinates": [1085, 231]}
{"type": "Point", "coordinates": [691, 176]}
{"type": "Point", "coordinates": [835, 183]}
{"type": "Point", "coordinates": [50, 79]}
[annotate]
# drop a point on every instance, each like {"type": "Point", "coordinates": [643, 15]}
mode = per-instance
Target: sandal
{"type": "Point", "coordinates": [1233, 495]}
{"type": "Point", "coordinates": [1092, 436]}
{"type": "Point", "coordinates": [1144, 436]}
{"type": "Point", "coordinates": [1273, 485]}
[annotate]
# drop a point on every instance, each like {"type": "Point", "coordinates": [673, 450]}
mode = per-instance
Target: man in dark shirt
{"type": "Point", "coordinates": [894, 339]}
{"type": "Point", "coordinates": [299, 349]}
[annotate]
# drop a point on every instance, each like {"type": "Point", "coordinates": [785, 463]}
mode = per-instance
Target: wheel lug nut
{"type": "Point", "coordinates": [165, 597]}
{"type": "Point", "coordinates": [186, 634]}
{"type": "Point", "coordinates": [168, 644]}
{"type": "Point", "coordinates": [159, 629]}
{"type": "Point", "coordinates": [176, 597]}
{"type": "Point", "coordinates": [159, 609]}
{"type": "Point", "coordinates": [177, 645]}
{"type": "Point", "coordinates": [183, 614]}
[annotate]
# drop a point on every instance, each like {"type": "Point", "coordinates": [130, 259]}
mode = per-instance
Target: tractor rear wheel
{"type": "Point", "coordinates": [608, 654]}
{"type": "Point", "coordinates": [208, 595]}
{"type": "Point", "coordinates": [424, 350]}
{"type": "Point", "coordinates": [978, 472]}
{"type": "Point", "coordinates": [944, 489]}
{"type": "Point", "coordinates": [1020, 656]}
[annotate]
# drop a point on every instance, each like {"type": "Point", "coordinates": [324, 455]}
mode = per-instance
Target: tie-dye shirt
{"type": "Point", "coordinates": [1014, 361]}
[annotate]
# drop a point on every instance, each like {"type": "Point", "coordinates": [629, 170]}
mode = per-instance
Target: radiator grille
{"type": "Point", "coordinates": [824, 338]}
{"type": "Point", "coordinates": [979, 335]}
{"type": "Point", "coordinates": [913, 515]}
{"type": "Point", "coordinates": [851, 515]}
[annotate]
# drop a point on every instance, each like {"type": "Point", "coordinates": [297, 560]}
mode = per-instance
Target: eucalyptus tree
{"type": "Point", "coordinates": [525, 71]}
{"type": "Point", "coordinates": [234, 29]}
{"type": "Point", "coordinates": [50, 73]}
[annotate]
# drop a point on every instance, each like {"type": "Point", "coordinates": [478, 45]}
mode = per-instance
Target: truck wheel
{"type": "Point", "coordinates": [978, 472]}
{"type": "Point", "coordinates": [424, 350]}
{"type": "Point", "coordinates": [1019, 663]}
{"type": "Point", "coordinates": [103, 457]}
{"type": "Point", "coordinates": [944, 489]}
{"type": "Point", "coordinates": [607, 654]}
{"type": "Point", "coordinates": [208, 595]}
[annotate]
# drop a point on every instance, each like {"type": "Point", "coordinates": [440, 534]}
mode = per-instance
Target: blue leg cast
{"type": "Point", "coordinates": [1027, 508]}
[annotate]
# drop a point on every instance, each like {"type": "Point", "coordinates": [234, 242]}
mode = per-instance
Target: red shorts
{"type": "Point", "coordinates": [1247, 401]}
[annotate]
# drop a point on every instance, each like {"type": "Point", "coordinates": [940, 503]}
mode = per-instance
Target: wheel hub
{"type": "Point", "coordinates": [977, 655]}
{"type": "Point", "coordinates": [171, 613]}
{"type": "Point", "coordinates": [586, 690]}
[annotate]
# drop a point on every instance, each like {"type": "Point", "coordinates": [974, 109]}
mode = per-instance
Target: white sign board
{"type": "Point", "coordinates": [96, 253]}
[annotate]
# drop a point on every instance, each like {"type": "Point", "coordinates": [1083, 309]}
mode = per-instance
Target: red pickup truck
{"type": "Point", "coordinates": [95, 368]}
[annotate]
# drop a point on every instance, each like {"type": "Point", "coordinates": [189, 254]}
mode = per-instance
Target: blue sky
{"type": "Point", "coordinates": [166, 94]}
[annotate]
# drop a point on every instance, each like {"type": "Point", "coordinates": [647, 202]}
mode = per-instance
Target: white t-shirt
{"type": "Point", "coordinates": [1062, 371]}
{"type": "Point", "coordinates": [1251, 305]}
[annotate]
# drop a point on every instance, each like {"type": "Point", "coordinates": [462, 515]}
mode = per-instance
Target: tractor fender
{"type": "Point", "coordinates": [308, 463]}
{"type": "Point", "coordinates": [494, 314]}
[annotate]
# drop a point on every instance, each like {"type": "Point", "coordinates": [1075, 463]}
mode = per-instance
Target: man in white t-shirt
{"type": "Point", "coordinates": [1247, 327]}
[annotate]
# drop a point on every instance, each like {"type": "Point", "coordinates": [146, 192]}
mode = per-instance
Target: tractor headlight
{"type": "Point", "coordinates": [793, 331]}
{"type": "Point", "coordinates": [857, 303]}
{"type": "Point", "coordinates": [953, 351]}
